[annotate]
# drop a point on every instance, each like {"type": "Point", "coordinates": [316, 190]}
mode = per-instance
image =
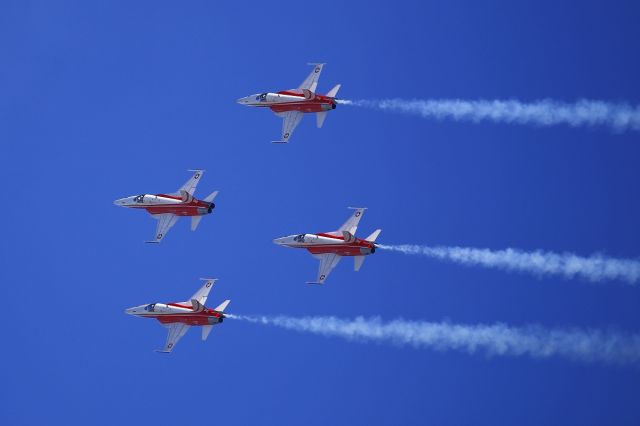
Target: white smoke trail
{"type": "Point", "coordinates": [618, 116]}
{"type": "Point", "coordinates": [497, 339]}
{"type": "Point", "coordinates": [594, 268]}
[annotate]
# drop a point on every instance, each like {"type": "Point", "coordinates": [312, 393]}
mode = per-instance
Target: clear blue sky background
{"type": "Point", "coordinates": [109, 99]}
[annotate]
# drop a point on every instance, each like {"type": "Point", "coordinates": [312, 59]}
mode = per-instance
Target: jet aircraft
{"type": "Point", "coordinates": [329, 247]}
{"type": "Point", "coordinates": [178, 317]}
{"type": "Point", "coordinates": [167, 208]}
{"type": "Point", "coordinates": [293, 103]}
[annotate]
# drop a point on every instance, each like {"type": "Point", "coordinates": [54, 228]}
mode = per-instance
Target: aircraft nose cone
{"type": "Point", "coordinates": [279, 241]}
{"type": "Point", "coordinates": [243, 101]}
{"type": "Point", "coordinates": [130, 311]}
{"type": "Point", "coordinates": [120, 202]}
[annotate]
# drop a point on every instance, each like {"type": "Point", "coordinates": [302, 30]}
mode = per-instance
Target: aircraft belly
{"type": "Point", "coordinates": [184, 319]}
{"type": "Point", "coordinates": [299, 106]}
{"type": "Point", "coordinates": [341, 249]}
{"type": "Point", "coordinates": [178, 210]}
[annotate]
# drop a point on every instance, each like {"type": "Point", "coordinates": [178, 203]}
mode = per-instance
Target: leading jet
{"type": "Point", "coordinates": [178, 317]}
{"type": "Point", "coordinates": [167, 208]}
{"type": "Point", "coordinates": [330, 247]}
{"type": "Point", "coordinates": [293, 103]}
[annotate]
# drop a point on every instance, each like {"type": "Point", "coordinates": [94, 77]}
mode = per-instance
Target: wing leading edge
{"type": "Point", "coordinates": [176, 331]}
{"type": "Point", "coordinates": [165, 222]}
{"type": "Point", "coordinates": [328, 261]}
{"type": "Point", "coordinates": [311, 82]}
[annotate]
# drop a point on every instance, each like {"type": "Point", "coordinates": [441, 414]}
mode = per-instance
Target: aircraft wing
{"type": "Point", "coordinates": [311, 82]}
{"type": "Point", "coordinates": [328, 261]}
{"type": "Point", "coordinates": [190, 185]}
{"type": "Point", "coordinates": [202, 294]}
{"type": "Point", "coordinates": [291, 119]}
{"type": "Point", "coordinates": [176, 331]}
{"type": "Point", "coordinates": [165, 222]}
{"type": "Point", "coordinates": [352, 223]}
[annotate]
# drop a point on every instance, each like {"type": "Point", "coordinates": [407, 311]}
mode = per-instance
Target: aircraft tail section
{"type": "Point", "coordinates": [320, 117]}
{"type": "Point", "coordinates": [372, 238]}
{"type": "Point", "coordinates": [195, 221]}
{"type": "Point", "coordinates": [206, 329]}
{"type": "Point", "coordinates": [209, 198]}
{"type": "Point", "coordinates": [221, 307]}
{"type": "Point", "coordinates": [333, 92]}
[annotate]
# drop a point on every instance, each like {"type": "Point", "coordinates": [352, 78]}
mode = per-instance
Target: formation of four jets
{"type": "Point", "coordinates": [327, 247]}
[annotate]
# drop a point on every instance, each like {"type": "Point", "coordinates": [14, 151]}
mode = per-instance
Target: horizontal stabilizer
{"type": "Point", "coordinates": [279, 141]}
{"type": "Point", "coordinates": [195, 221]}
{"type": "Point", "coordinates": [372, 238]}
{"type": "Point", "coordinates": [333, 92]}
{"type": "Point", "coordinates": [221, 307]}
{"type": "Point", "coordinates": [206, 329]}
{"type": "Point", "coordinates": [358, 260]}
{"type": "Point", "coordinates": [320, 117]}
{"type": "Point", "coordinates": [209, 198]}
{"type": "Point", "coordinates": [314, 282]}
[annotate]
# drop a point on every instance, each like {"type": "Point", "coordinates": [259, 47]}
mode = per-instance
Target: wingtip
{"type": "Point", "coordinates": [314, 282]}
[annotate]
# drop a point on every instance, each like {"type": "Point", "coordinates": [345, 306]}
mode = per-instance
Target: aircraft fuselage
{"type": "Point", "coordinates": [163, 203]}
{"type": "Point", "coordinates": [290, 100]}
{"type": "Point", "coordinates": [182, 312]}
{"type": "Point", "coordinates": [328, 243]}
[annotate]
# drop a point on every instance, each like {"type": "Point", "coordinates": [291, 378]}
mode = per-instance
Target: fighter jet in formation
{"type": "Point", "coordinates": [293, 103]}
{"type": "Point", "coordinates": [178, 317]}
{"type": "Point", "coordinates": [168, 208]}
{"type": "Point", "coordinates": [329, 247]}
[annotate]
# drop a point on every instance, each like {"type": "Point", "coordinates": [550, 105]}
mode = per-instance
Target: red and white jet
{"type": "Point", "coordinates": [293, 103]}
{"type": "Point", "coordinates": [329, 247]}
{"type": "Point", "coordinates": [178, 317]}
{"type": "Point", "coordinates": [168, 208]}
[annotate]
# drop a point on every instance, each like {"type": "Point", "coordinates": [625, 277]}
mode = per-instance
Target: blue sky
{"type": "Point", "coordinates": [101, 101]}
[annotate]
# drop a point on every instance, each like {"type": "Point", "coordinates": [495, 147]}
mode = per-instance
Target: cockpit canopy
{"type": "Point", "coordinates": [299, 238]}
{"type": "Point", "coordinates": [139, 199]}
{"type": "Point", "coordinates": [261, 97]}
{"type": "Point", "coordinates": [150, 308]}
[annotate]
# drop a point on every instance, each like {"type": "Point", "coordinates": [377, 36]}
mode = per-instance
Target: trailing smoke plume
{"type": "Point", "coordinates": [498, 339]}
{"type": "Point", "coordinates": [594, 268]}
{"type": "Point", "coordinates": [619, 117]}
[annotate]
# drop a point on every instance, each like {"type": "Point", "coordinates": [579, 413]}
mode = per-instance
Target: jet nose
{"type": "Point", "coordinates": [244, 101]}
{"type": "Point", "coordinates": [120, 202]}
{"type": "Point", "coordinates": [130, 311]}
{"type": "Point", "coordinates": [280, 241]}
